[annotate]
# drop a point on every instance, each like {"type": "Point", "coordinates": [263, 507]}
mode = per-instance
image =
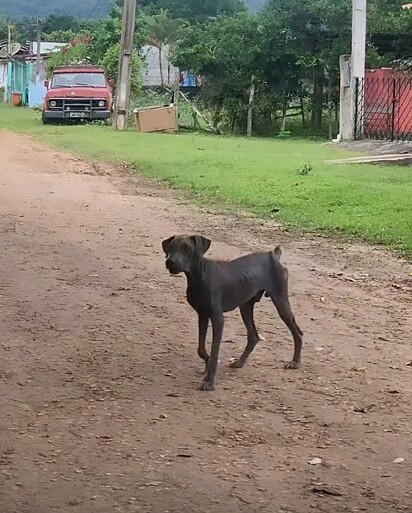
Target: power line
{"type": "Point", "coordinates": [94, 8]}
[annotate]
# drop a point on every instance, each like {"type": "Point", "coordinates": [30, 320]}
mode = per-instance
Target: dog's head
{"type": "Point", "coordinates": [182, 251]}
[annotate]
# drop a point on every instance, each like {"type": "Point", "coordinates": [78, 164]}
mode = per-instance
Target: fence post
{"type": "Point", "coordinates": [393, 109]}
{"type": "Point", "coordinates": [355, 127]}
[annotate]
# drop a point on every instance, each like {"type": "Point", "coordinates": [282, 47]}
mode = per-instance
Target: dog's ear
{"type": "Point", "coordinates": [166, 244]}
{"type": "Point", "coordinates": [201, 244]}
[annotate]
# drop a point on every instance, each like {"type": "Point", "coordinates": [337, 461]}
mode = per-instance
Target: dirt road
{"type": "Point", "coordinates": [100, 410]}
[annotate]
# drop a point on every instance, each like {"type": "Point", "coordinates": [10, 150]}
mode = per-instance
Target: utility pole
{"type": "Point", "coordinates": [358, 62]}
{"type": "Point", "coordinates": [9, 27]}
{"type": "Point", "coordinates": [38, 49]}
{"type": "Point", "coordinates": [358, 38]}
{"type": "Point", "coordinates": [122, 100]}
{"type": "Point", "coordinates": [352, 70]}
{"type": "Point", "coordinates": [9, 79]}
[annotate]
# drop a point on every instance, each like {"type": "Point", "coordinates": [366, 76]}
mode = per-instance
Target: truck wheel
{"type": "Point", "coordinates": [45, 121]}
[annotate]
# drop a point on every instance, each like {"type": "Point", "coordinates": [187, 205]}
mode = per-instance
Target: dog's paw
{"type": "Point", "coordinates": [207, 386]}
{"type": "Point", "coordinates": [236, 364]}
{"type": "Point", "coordinates": [293, 365]}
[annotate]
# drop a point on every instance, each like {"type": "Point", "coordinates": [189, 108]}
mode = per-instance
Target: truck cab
{"type": "Point", "coordinates": [78, 93]}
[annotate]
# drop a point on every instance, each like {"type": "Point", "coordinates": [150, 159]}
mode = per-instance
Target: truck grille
{"type": "Point", "coordinates": [77, 105]}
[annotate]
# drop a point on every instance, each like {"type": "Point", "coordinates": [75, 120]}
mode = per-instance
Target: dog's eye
{"type": "Point", "coordinates": [186, 248]}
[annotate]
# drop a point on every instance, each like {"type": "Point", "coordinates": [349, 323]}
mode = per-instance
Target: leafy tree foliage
{"type": "Point", "coordinates": [279, 45]}
{"type": "Point", "coordinates": [192, 10]}
{"type": "Point", "coordinates": [163, 32]}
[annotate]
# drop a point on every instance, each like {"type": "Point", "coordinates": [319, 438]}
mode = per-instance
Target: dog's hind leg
{"type": "Point", "coordinates": [201, 350]}
{"type": "Point", "coordinates": [253, 338]}
{"type": "Point", "coordinates": [285, 312]}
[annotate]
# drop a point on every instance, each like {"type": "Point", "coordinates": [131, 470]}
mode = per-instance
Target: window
{"type": "Point", "coordinates": [79, 79]}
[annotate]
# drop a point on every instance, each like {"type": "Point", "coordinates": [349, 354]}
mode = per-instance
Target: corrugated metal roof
{"type": "Point", "coordinates": [48, 47]}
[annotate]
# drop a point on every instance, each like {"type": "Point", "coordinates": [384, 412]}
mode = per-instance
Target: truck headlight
{"type": "Point", "coordinates": [53, 103]}
{"type": "Point", "coordinates": [101, 103]}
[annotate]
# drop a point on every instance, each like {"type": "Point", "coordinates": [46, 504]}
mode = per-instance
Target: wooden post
{"type": "Point", "coordinates": [122, 101]}
{"type": "Point", "coordinates": [38, 49]}
{"type": "Point", "coordinates": [176, 99]}
{"type": "Point", "coordinates": [250, 107]}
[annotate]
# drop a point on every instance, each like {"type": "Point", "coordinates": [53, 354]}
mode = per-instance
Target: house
{"type": "Point", "coordinates": [3, 72]}
{"type": "Point", "coordinates": [18, 72]}
{"type": "Point", "coordinates": [35, 88]}
{"type": "Point", "coordinates": [152, 77]}
{"type": "Point", "coordinates": [12, 68]}
{"type": "Point", "coordinates": [170, 74]}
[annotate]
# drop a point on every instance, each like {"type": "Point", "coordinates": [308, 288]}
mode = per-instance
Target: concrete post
{"type": "Point", "coordinates": [346, 114]}
{"type": "Point", "coordinates": [352, 69]}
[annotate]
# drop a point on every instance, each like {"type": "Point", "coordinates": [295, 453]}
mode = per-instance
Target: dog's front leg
{"type": "Point", "coordinates": [218, 322]}
{"type": "Point", "coordinates": [201, 350]}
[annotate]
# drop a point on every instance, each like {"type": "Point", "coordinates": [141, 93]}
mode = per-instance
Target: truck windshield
{"type": "Point", "coordinates": [79, 79]}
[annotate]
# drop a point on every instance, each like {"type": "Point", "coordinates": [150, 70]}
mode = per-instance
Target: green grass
{"type": "Point", "coordinates": [266, 177]}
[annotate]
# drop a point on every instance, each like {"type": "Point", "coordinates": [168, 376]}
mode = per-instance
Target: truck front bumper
{"type": "Point", "coordinates": [72, 114]}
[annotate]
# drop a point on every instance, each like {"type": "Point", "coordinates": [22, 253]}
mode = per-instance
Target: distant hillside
{"type": "Point", "coordinates": [78, 8]}
{"type": "Point", "coordinates": [33, 8]}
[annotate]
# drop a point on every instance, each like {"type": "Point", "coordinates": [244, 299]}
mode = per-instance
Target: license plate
{"type": "Point", "coordinates": [77, 115]}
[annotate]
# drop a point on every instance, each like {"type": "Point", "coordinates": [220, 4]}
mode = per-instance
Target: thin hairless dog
{"type": "Point", "coordinates": [215, 287]}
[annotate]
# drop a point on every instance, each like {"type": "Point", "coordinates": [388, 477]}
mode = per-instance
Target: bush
{"type": "Point", "coordinates": [111, 62]}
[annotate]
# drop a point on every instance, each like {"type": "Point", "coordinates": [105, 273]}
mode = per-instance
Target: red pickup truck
{"type": "Point", "coordinates": [78, 93]}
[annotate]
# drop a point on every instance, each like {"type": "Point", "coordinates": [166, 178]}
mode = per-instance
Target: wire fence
{"type": "Point", "coordinates": [383, 108]}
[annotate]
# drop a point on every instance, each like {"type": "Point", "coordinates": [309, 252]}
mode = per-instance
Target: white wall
{"type": "Point", "coordinates": [151, 73]}
{"type": "Point", "coordinates": [47, 47]}
{"type": "Point", "coordinates": [3, 74]}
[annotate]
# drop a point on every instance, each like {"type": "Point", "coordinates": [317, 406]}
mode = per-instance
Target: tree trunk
{"type": "Point", "coordinates": [216, 119]}
{"type": "Point", "coordinates": [162, 81]}
{"type": "Point", "coordinates": [317, 98]}
{"type": "Point", "coordinates": [284, 114]}
{"type": "Point", "coordinates": [302, 111]}
{"type": "Point", "coordinates": [330, 107]}
{"type": "Point", "coordinates": [250, 107]}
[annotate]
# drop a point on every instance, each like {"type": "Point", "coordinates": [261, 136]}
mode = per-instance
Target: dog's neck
{"type": "Point", "coordinates": [197, 268]}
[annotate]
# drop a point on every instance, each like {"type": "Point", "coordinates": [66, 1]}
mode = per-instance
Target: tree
{"type": "Point", "coordinates": [163, 32]}
{"type": "Point", "coordinates": [226, 53]}
{"type": "Point", "coordinates": [17, 33]}
{"type": "Point", "coordinates": [110, 61]}
{"type": "Point", "coordinates": [389, 32]}
{"type": "Point", "coordinates": [319, 33]}
{"type": "Point", "coordinates": [59, 36]}
{"type": "Point", "coordinates": [194, 10]}
{"type": "Point", "coordinates": [74, 53]}
{"type": "Point", "coordinates": [58, 22]}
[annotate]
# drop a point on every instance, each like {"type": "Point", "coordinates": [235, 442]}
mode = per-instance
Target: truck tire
{"type": "Point", "coordinates": [45, 121]}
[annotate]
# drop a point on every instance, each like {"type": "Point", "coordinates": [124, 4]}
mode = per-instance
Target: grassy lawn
{"type": "Point", "coordinates": [368, 202]}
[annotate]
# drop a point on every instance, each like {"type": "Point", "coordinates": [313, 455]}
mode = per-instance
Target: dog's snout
{"type": "Point", "coordinates": [172, 265]}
